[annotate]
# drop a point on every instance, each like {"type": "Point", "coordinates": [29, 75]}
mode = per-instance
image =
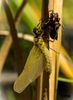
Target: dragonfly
{"type": "Point", "coordinates": [39, 56]}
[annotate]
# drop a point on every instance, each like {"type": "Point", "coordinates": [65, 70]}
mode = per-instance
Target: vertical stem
{"type": "Point", "coordinates": [45, 91]}
{"type": "Point", "coordinates": [44, 12]}
{"type": "Point", "coordinates": [39, 81]}
{"type": "Point", "coordinates": [44, 16]}
{"type": "Point", "coordinates": [45, 80]}
{"type": "Point", "coordinates": [57, 7]}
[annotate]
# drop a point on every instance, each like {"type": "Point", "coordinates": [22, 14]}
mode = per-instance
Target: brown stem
{"type": "Point", "coordinates": [45, 74]}
{"type": "Point", "coordinates": [44, 15]}
{"type": "Point", "coordinates": [57, 7]}
{"type": "Point", "coordinates": [44, 12]}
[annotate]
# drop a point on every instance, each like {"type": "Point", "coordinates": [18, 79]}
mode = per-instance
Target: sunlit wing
{"type": "Point", "coordinates": [33, 68]}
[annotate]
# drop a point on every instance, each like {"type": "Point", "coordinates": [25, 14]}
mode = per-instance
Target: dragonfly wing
{"type": "Point", "coordinates": [34, 66]}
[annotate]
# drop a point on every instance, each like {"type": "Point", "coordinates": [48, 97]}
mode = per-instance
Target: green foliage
{"type": "Point", "coordinates": [68, 11]}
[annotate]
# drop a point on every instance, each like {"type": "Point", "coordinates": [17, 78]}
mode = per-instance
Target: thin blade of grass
{"type": "Point", "coordinates": [62, 79]}
{"type": "Point", "coordinates": [57, 7]}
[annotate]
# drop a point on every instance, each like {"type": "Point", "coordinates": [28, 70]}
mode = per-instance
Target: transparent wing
{"type": "Point", "coordinates": [33, 68]}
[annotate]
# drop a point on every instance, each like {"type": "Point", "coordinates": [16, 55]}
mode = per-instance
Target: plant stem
{"type": "Point", "coordinates": [57, 7]}
{"type": "Point", "coordinates": [45, 16]}
{"type": "Point", "coordinates": [45, 81]}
